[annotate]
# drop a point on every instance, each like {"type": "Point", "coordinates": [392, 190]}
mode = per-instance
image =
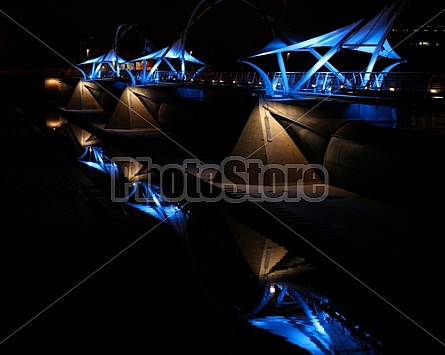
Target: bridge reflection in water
{"type": "Point", "coordinates": [237, 261]}
{"type": "Point", "coordinates": [238, 264]}
{"type": "Point", "coordinates": [259, 273]}
{"type": "Point", "coordinates": [244, 272]}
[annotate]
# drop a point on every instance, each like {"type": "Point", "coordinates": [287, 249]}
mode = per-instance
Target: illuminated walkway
{"type": "Point", "coordinates": [380, 84]}
{"type": "Point", "coordinates": [173, 64]}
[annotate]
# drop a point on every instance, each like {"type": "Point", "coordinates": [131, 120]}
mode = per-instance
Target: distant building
{"type": "Point", "coordinates": [417, 36]}
{"type": "Point", "coordinates": [422, 46]}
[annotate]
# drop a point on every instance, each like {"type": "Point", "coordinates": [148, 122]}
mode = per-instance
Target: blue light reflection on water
{"type": "Point", "coordinates": [293, 330]}
{"type": "Point", "coordinates": [143, 196]}
{"type": "Point", "coordinates": [307, 325]}
{"type": "Point", "coordinates": [153, 204]}
{"type": "Point", "coordinates": [94, 157]}
{"type": "Point", "coordinates": [168, 213]}
{"type": "Point", "coordinates": [312, 328]}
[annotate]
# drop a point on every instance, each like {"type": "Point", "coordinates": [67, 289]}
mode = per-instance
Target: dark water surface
{"type": "Point", "coordinates": [97, 277]}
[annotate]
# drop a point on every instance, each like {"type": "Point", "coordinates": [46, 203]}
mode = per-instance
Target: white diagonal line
{"type": "Point", "coordinates": [332, 93]}
{"type": "Point", "coordinates": [111, 94]}
{"type": "Point", "coordinates": [89, 276]}
{"type": "Point", "coordinates": [350, 274]}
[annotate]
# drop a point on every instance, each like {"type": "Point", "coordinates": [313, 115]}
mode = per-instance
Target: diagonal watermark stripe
{"type": "Point", "coordinates": [91, 274]}
{"type": "Point", "coordinates": [126, 248]}
{"type": "Point", "coordinates": [332, 260]}
{"type": "Point", "coordinates": [97, 83]}
{"type": "Point", "coordinates": [284, 129]}
{"type": "Point", "coordinates": [351, 274]}
{"type": "Point", "coordinates": [183, 206]}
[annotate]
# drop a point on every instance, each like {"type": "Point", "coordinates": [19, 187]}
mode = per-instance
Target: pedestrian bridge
{"type": "Point", "coordinates": [272, 84]}
{"type": "Point", "coordinates": [175, 63]}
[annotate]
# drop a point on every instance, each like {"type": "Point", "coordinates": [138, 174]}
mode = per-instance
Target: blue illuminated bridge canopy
{"type": "Point", "coordinates": [174, 64]}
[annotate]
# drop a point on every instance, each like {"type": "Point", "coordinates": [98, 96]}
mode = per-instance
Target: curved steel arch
{"type": "Point", "coordinates": [267, 83]}
{"type": "Point", "coordinates": [193, 18]}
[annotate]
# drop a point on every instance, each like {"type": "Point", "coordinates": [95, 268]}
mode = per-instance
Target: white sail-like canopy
{"type": "Point", "coordinates": [171, 52]}
{"type": "Point", "coordinates": [368, 35]}
{"type": "Point", "coordinates": [363, 35]}
{"type": "Point", "coordinates": [361, 41]}
{"type": "Point", "coordinates": [110, 58]}
{"type": "Point", "coordinates": [174, 51]}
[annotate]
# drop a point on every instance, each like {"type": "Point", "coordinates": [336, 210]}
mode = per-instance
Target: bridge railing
{"type": "Point", "coordinates": [319, 82]}
{"type": "Point", "coordinates": [238, 79]}
{"type": "Point", "coordinates": [351, 81]}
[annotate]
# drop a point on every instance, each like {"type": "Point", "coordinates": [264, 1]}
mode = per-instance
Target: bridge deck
{"type": "Point", "coordinates": [374, 83]}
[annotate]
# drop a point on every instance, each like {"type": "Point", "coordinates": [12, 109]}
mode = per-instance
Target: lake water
{"type": "Point", "coordinates": [283, 305]}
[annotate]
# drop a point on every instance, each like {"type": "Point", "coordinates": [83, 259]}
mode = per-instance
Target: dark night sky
{"type": "Point", "coordinates": [64, 26]}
